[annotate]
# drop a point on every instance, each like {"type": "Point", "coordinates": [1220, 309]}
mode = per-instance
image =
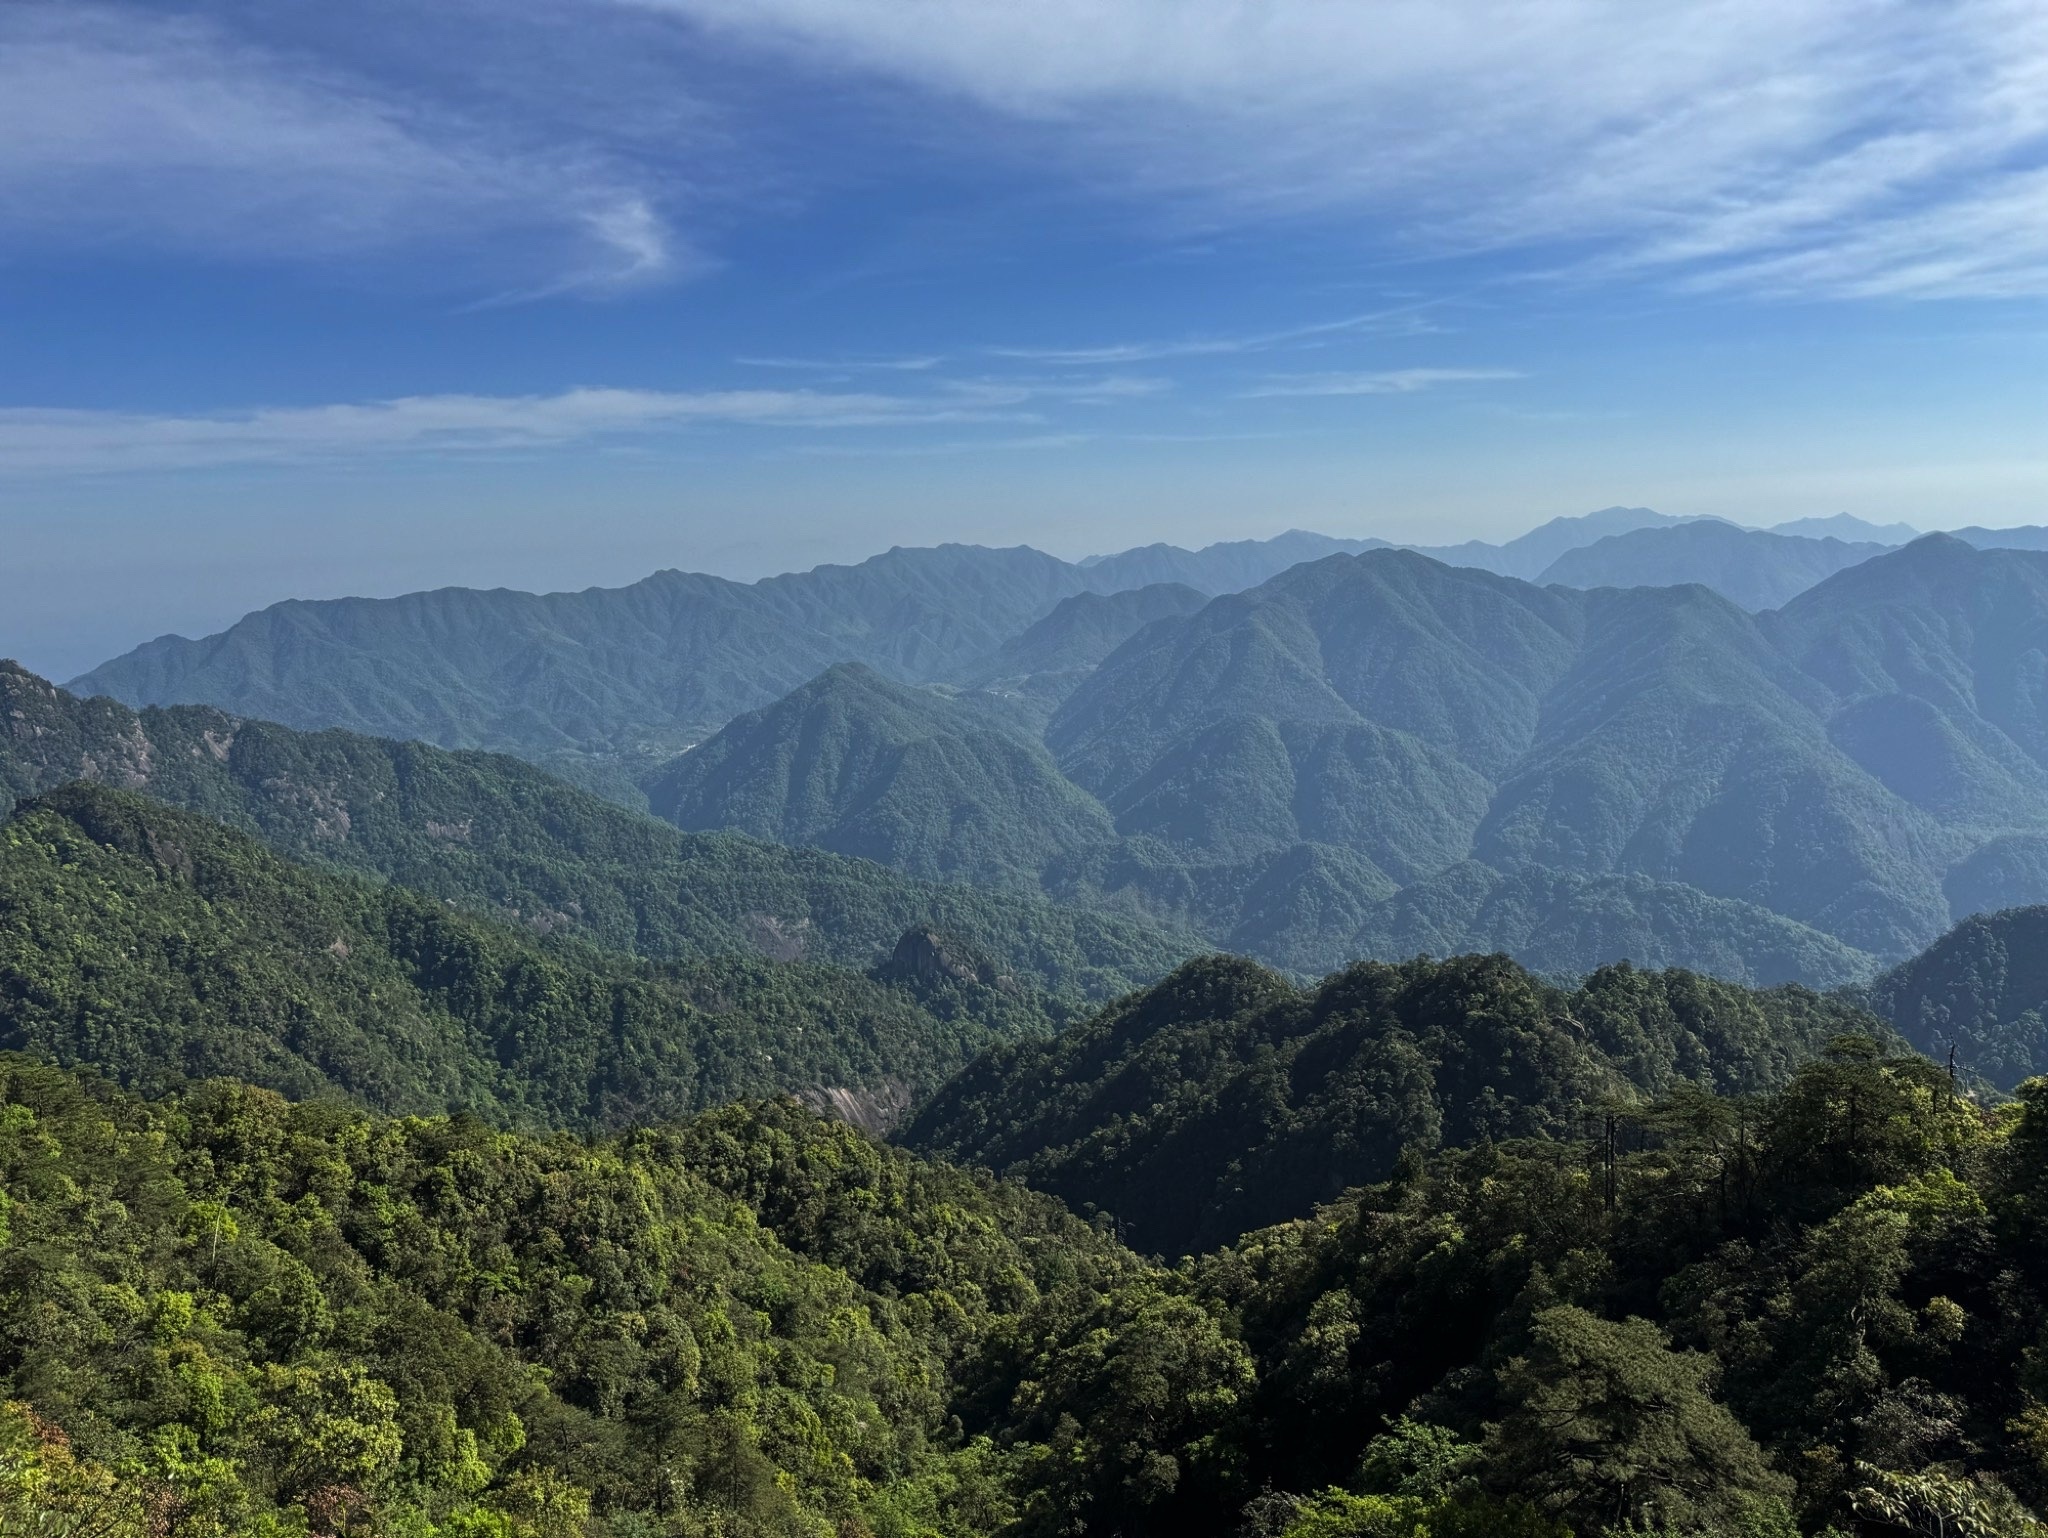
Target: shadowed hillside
{"type": "Point", "coordinates": [1224, 1099]}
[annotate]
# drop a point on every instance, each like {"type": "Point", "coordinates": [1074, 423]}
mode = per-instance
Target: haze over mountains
{"type": "Point", "coordinates": [1753, 568]}
{"type": "Point", "coordinates": [650, 668]}
{"type": "Point", "coordinates": [1768, 755]}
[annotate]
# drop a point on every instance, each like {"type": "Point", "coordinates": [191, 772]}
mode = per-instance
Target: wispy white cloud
{"type": "Point", "coordinates": [946, 448]}
{"type": "Point", "coordinates": [1099, 391]}
{"type": "Point", "coordinates": [1403, 320]}
{"type": "Point", "coordinates": [1399, 381]}
{"type": "Point", "coordinates": [37, 442]}
{"type": "Point", "coordinates": [1833, 147]}
{"type": "Point", "coordinates": [121, 125]}
{"type": "Point", "coordinates": [917, 363]}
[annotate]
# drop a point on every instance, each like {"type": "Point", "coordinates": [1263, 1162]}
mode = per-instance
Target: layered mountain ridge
{"type": "Point", "coordinates": [644, 670]}
{"type": "Point", "coordinates": [1364, 752]}
{"type": "Point", "coordinates": [1372, 750]}
{"type": "Point", "coordinates": [500, 838]}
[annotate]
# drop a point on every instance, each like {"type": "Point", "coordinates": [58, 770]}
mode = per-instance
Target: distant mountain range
{"type": "Point", "coordinates": [1850, 530]}
{"type": "Point", "coordinates": [1381, 754]}
{"type": "Point", "coordinates": [600, 682]}
{"type": "Point", "coordinates": [1755, 569]}
{"type": "Point", "coordinates": [646, 670]}
{"type": "Point", "coordinates": [1530, 554]}
{"type": "Point", "coordinates": [1760, 753]}
{"type": "Point", "coordinates": [1981, 992]}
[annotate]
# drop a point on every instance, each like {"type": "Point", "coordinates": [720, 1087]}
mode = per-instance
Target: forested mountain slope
{"type": "Point", "coordinates": [1933, 659]}
{"type": "Point", "coordinates": [499, 837]}
{"type": "Point", "coordinates": [647, 668]}
{"type": "Point", "coordinates": [1082, 630]}
{"type": "Point", "coordinates": [1378, 749]}
{"type": "Point", "coordinates": [1981, 990]}
{"type": "Point", "coordinates": [158, 946]}
{"type": "Point", "coordinates": [1224, 1098]}
{"type": "Point", "coordinates": [1528, 554]}
{"type": "Point", "coordinates": [861, 766]}
{"type": "Point", "coordinates": [755, 1324]}
{"type": "Point", "coordinates": [1025, 680]}
{"type": "Point", "coordinates": [1833, 762]}
{"type": "Point", "coordinates": [1808, 1312]}
{"type": "Point", "coordinates": [1728, 1319]}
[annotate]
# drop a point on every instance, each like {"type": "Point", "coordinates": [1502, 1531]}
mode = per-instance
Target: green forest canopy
{"type": "Point", "coordinates": [155, 946]}
{"type": "Point", "coordinates": [499, 837]}
{"type": "Point", "coordinates": [221, 1313]}
{"type": "Point", "coordinates": [1225, 1098]}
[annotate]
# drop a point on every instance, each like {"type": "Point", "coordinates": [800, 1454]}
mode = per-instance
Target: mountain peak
{"type": "Point", "coordinates": [1847, 526]}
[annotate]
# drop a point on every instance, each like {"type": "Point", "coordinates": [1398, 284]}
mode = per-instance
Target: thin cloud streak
{"type": "Point", "coordinates": [1403, 320]}
{"type": "Point", "coordinates": [42, 442]}
{"type": "Point", "coordinates": [909, 365]}
{"type": "Point", "coordinates": [1400, 381]}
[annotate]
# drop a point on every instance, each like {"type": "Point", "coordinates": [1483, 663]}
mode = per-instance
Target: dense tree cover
{"type": "Point", "coordinates": [941, 786]}
{"type": "Point", "coordinates": [615, 673]}
{"type": "Point", "coordinates": [1656, 732]}
{"type": "Point", "coordinates": [594, 678]}
{"type": "Point", "coordinates": [1224, 1098]}
{"type": "Point", "coordinates": [157, 945]}
{"type": "Point", "coordinates": [1082, 630]}
{"type": "Point", "coordinates": [1304, 911]}
{"type": "Point", "coordinates": [1362, 746]}
{"type": "Point", "coordinates": [1823, 1305]}
{"type": "Point", "coordinates": [497, 836]}
{"type": "Point", "coordinates": [1023, 682]}
{"type": "Point", "coordinates": [861, 766]}
{"type": "Point", "coordinates": [224, 1314]}
{"type": "Point", "coordinates": [609, 671]}
{"type": "Point", "coordinates": [1815, 1310]}
{"type": "Point", "coordinates": [1982, 989]}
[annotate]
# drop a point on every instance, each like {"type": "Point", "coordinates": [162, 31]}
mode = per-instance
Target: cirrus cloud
{"type": "Point", "coordinates": [121, 126]}
{"type": "Point", "coordinates": [1393, 381]}
{"type": "Point", "coordinates": [37, 441]}
{"type": "Point", "coordinates": [1843, 148]}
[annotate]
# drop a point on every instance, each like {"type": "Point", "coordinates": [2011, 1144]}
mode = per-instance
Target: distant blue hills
{"type": "Point", "coordinates": [1772, 754]}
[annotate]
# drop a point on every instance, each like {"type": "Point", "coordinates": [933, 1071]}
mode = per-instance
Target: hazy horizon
{"type": "Point", "coordinates": [104, 634]}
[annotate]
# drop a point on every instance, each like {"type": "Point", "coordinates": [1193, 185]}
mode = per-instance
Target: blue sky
{"type": "Point", "coordinates": [298, 301]}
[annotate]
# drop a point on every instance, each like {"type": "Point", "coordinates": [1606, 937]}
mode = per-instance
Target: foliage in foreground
{"type": "Point", "coordinates": [275, 1319]}
{"type": "Point", "coordinates": [1824, 1307]}
{"type": "Point", "coordinates": [222, 1313]}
